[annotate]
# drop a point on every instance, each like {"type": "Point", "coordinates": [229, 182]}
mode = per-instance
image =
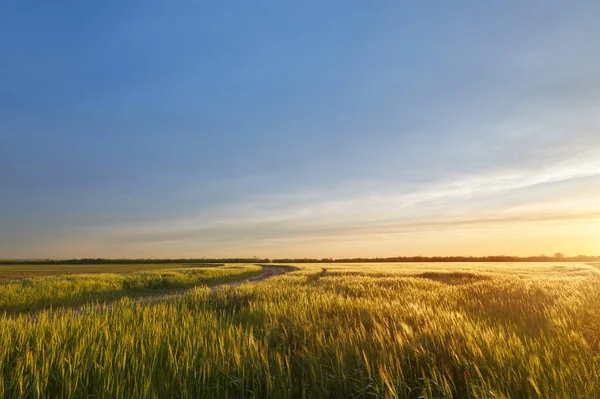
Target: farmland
{"type": "Point", "coordinates": [21, 271]}
{"type": "Point", "coordinates": [477, 330]}
{"type": "Point", "coordinates": [82, 284]}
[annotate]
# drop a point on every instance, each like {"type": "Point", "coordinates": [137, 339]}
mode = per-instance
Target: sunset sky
{"type": "Point", "coordinates": [299, 129]}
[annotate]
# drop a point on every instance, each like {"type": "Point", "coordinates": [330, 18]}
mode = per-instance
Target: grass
{"type": "Point", "coordinates": [382, 331]}
{"type": "Point", "coordinates": [19, 272]}
{"type": "Point", "coordinates": [27, 294]}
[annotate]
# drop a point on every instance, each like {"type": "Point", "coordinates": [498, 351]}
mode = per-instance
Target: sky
{"type": "Point", "coordinates": [299, 129]}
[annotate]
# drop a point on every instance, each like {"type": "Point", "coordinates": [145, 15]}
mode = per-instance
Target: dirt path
{"type": "Point", "coordinates": [268, 272]}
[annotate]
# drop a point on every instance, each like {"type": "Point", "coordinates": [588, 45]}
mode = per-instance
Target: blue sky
{"type": "Point", "coordinates": [143, 129]}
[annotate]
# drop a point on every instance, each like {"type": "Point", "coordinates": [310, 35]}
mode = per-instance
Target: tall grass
{"type": "Point", "coordinates": [23, 271]}
{"type": "Point", "coordinates": [38, 292]}
{"type": "Point", "coordinates": [408, 332]}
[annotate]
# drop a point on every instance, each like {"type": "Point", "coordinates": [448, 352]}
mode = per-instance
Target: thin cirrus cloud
{"type": "Point", "coordinates": [348, 129]}
{"type": "Point", "coordinates": [475, 204]}
{"type": "Point", "coordinates": [537, 195]}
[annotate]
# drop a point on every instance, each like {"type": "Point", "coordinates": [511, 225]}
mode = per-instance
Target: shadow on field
{"type": "Point", "coordinates": [453, 278]}
{"type": "Point", "coordinates": [231, 301]}
{"type": "Point", "coordinates": [314, 277]}
{"type": "Point", "coordinates": [450, 278]}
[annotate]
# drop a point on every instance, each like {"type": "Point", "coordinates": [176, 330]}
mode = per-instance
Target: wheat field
{"type": "Point", "coordinates": [326, 331]}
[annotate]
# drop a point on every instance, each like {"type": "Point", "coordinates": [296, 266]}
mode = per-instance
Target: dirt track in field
{"type": "Point", "coordinates": [268, 272]}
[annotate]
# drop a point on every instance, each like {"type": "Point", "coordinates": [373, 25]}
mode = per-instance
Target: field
{"type": "Point", "coordinates": [18, 272]}
{"type": "Point", "coordinates": [38, 287]}
{"type": "Point", "coordinates": [339, 331]}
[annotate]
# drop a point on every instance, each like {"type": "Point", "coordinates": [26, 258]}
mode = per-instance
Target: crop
{"type": "Point", "coordinates": [387, 331]}
{"type": "Point", "coordinates": [26, 294]}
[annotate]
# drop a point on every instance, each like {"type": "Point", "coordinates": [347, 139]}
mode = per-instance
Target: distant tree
{"type": "Point", "coordinates": [559, 255]}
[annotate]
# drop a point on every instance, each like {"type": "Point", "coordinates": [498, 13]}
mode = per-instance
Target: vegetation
{"type": "Point", "coordinates": [21, 271]}
{"type": "Point", "coordinates": [558, 257]}
{"type": "Point", "coordinates": [388, 331]}
{"type": "Point", "coordinates": [395, 259]}
{"type": "Point", "coordinates": [26, 294]}
{"type": "Point", "coordinates": [103, 261]}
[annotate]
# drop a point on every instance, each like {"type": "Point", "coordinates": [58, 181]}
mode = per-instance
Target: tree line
{"type": "Point", "coordinates": [497, 258]}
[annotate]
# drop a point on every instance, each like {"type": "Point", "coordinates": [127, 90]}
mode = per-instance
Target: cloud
{"type": "Point", "coordinates": [559, 194]}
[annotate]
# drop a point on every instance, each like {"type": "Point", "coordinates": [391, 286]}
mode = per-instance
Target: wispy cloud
{"type": "Point", "coordinates": [564, 193]}
{"type": "Point", "coordinates": [403, 127]}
